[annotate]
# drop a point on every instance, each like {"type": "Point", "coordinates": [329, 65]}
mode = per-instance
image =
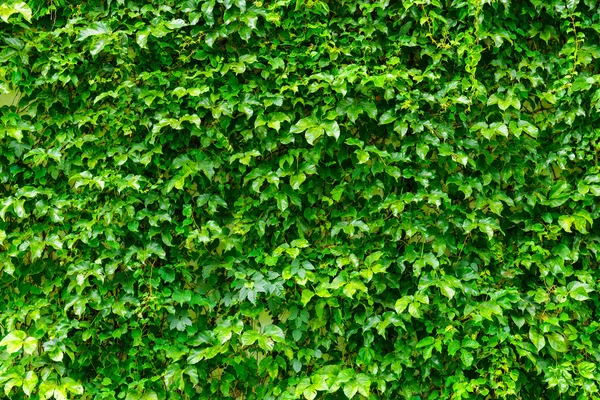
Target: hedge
{"type": "Point", "coordinates": [226, 199]}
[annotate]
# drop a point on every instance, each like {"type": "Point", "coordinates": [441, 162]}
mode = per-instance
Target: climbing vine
{"type": "Point", "coordinates": [282, 199]}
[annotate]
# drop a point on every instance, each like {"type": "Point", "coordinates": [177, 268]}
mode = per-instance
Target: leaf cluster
{"type": "Point", "coordinates": [282, 199]}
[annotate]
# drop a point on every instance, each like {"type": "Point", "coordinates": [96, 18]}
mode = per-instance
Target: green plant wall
{"type": "Point", "coordinates": [300, 199]}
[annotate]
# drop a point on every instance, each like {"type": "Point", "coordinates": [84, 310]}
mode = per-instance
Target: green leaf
{"type": "Point", "coordinates": [300, 243]}
{"type": "Point", "coordinates": [309, 393]}
{"type": "Point", "coordinates": [447, 290]}
{"type": "Point", "coordinates": [95, 29]}
{"type": "Point", "coordinates": [586, 369]}
{"type": "Point", "coordinates": [362, 155]}
{"type": "Point", "coordinates": [565, 222]}
{"type": "Point", "coordinates": [579, 290]}
{"type": "Point", "coordinates": [307, 295]}
{"type": "Point", "coordinates": [312, 134]}
{"type": "Point", "coordinates": [351, 388]}
{"type": "Point", "coordinates": [401, 304]}
{"type": "Point", "coordinates": [370, 108]}
{"type": "Point", "coordinates": [297, 180]}
{"type": "Point", "coordinates": [582, 83]}
{"type": "Point", "coordinates": [519, 321]}
{"type": "Point", "coordinates": [282, 201]}
{"type": "Point", "coordinates": [387, 117]}
{"type": "Point", "coordinates": [277, 63]}
{"type": "Point", "coordinates": [13, 341]}
{"type": "Point", "coordinates": [72, 385]}
{"type": "Point", "coordinates": [572, 4]}
{"type": "Point", "coordinates": [30, 345]}
{"type": "Point", "coordinates": [331, 129]}
{"type": "Point", "coordinates": [98, 46]}
{"type": "Point", "coordinates": [304, 124]}
{"type": "Point", "coordinates": [353, 286]}
{"type": "Point", "coordinates": [562, 251]}
{"type": "Point", "coordinates": [274, 332]}
{"type": "Point", "coordinates": [250, 337]}
{"type": "Point", "coordinates": [8, 9]}
{"type": "Point", "coordinates": [142, 38]}
{"type": "Point", "coordinates": [470, 343]}
{"type": "Point", "coordinates": [558, 342]}
{"type": "Point", "coordinates": [179, 323]}
{"type": "Point", "coordinates": [453, 347]}
{"type": "Point", "coordinates": [30, 382]}
{"type": "Point", "coordinates": [466, 357]}
{"type": "Point", "coordinates": [364, 384]}
{"type": "Point", "coordinates": [537, 338]}
{"type": "Point", "coordinates": [427, 341]}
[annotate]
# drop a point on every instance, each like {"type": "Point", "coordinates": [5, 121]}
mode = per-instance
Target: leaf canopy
{"type": "Point", "coordinates": [282, 199]}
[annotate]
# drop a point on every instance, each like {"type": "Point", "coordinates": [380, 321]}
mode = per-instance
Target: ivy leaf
{"type": "Point", "coordinates": [466, 357]}
{"type": "Point", "coordinates": [13, 341]}
{"type": "Point", "coordinates": [364, 384]}
{"type": "Point", "coordinates": [304, 124]}
{"type": "Point", "coordinates": [309, 393]}
{"type": "Point", "coordinates": [579, 291]}
{"type": "Point", "coordinates": [282, 201]}
{"type": "Point", "coordinates": [363, 156]}
{"type": "Point", "coordinates": [354, 112]}
{"type": "Point", "coordinates": [312, 134]}
{"type": "Point", "coordinates": [30, 345]}
{"type": "Point", "coordinates": [557, 342]}
{"type": "Point", "coordinates": [250, 337]}
{"type": "Point", "coordinates": [447, 290]}
{"type": "Point", "coordinates": [277, 63]}
{"type": "Point", "coordinates": [426, 341]}
{"type": "Point", "coordinates": [8, 9]}
{"type": "Point", "coordinates": [98, 46]}
{"type": "Point", "coordinates": [401, 304]}
{"type": "Point", "coordinates": [30, 382]}
{"type": "Point", "coordinates": [586, 369]}
{"type": "Point", "coordinates": [370, 108]}
{"type": "Point", "coordinates": [331, 129]}
{"type": "Point", "coordinates": [572, 4]}
{"type": "Point", "coordinates": [297, 180]}
{"type": "Point", "coordinates": [537, 338]}
{"type": "Point", "coordinates": [387, 117]}
{"type": "Point", "coordinates": [453, 347]}
{"type": "Point", "coordinates": [565, 222]}
{"type": "Point", "coordinates": [307, 295]}
{"type": "Point", "coordinates": [179, 322]}
{"type": "Point", "coordinates": [95, 29]}
{"type": "Point", "coordinates": [274, 332]}
{"type": "Point", "coordinates": [351, 388]}
{"type": "Point", "coordinates": [582, 83]}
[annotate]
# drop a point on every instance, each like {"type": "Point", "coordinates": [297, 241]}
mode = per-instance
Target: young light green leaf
{"type": "Point", "coordinates": [30, 382]}
{"type": "Point", "coordinates": [13, 341]}
{"type": "Point", "coordinates": [587, 369]}
{"type": "Point", "coordinates": [30, 345]}
{"type": "Point", "coordinates": [250, 337]}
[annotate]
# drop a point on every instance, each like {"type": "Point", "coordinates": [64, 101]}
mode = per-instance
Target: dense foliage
{"type": "Point", "coordinates": [286, 199]}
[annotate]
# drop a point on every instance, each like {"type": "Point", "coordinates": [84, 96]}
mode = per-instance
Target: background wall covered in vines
{"type": "Point", "coordinates": [299, 199]}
